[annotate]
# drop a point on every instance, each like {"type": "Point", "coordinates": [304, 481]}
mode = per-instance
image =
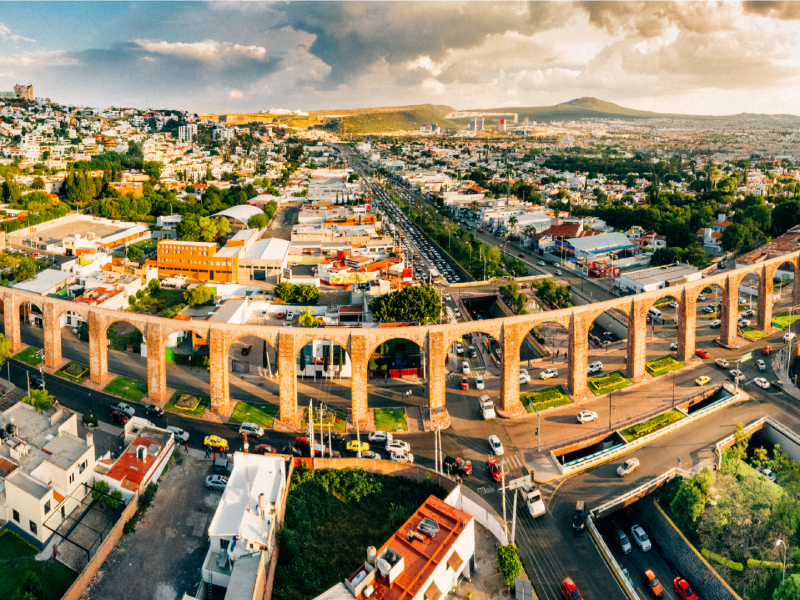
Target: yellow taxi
{"type": "Point", "coordinates": [702, 380]}
{"type": "Point", "coordinates": [352, 446]}
{"type": "Point", "coordinates": [215, 442]}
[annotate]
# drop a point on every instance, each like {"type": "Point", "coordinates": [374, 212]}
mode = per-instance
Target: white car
{"type": "Point", "coordinates": [673, 346]}
{"type": "Point", "coordinates": [629, 466]}
{"type": "Point", "coordinates": [595, 367]}
{"type": "Point", "coordinates": [701, 297]}
{"type": "Point", "coordinates": [761, 382]}
{"type": "Point", "coordinates": [495, 446]}
{"type": "Point", "coordinates": [721, 362]}
{"type": "Point", "coordinates": [586, 416]}
{"type": "Point", "coordinates": [402, 457]}
{"type": "Point", "coordinates": [459, 349]}
{"type": "Point", "coordinates": [179, 433]}
{"type": "Point", "coordinates": [548, 373]}
{"type": "Point", "coordinates": [716, 323]}
{"type": "Point", "coordinates": [673, 304]}
{"type": "Point", "coordinates": [380, 437]}
{"type": "Point", "coordinates": [251, 429]}
{"type": "Point", "coordinates": [398, 446]}
{"type": "Point", "coordinates": [737, 375]}
{"type": "Point", "coordinates": [524, 378]}
{"type": "Point", "coordinates": [479, 383]}
{"type": "Point", "coordinates": [465, 368]}
{"type": "Point", "coordinates": [540, 263]}
{"type": "Point", "coordinates": [788, 336]}
{"type": "Point", "coordinates": [557, 272]}
{"type": "Point", "coordinates": [762, 366]}
{"type": "Point", "coordinates": [448, 297]}
{"type": "Point", "coordinates": [749, 313]}
{"type": "Point", "coordinates": [641, 539]}
{"type": "Point", "coordinates": [289, 316]}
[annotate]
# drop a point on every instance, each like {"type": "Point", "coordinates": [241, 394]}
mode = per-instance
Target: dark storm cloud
{"type": "Point", "coordinates": [789, 11]}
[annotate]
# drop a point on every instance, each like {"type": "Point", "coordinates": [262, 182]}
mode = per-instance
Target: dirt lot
{"type": "Point", "coordinates": [163, 558]}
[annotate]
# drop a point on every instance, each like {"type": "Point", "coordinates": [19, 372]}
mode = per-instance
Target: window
{"type": "Point", "coordinates": [15, 515]}
{"type": "Point", "coordinates": [47, 507]}
{"type": "Point", "coordinates": [71, 477]}
{"type": "Point", "coordinates": [223, 544]}
{"type": "Point", "coordinates": [33, 528]}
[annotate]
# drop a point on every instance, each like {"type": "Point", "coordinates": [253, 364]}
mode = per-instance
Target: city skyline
{"type": "Point", "coordinates": [694, 58]}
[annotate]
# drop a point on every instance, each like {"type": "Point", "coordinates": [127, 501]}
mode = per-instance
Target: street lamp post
{"type": "Point", "coordinates": [778, 543]}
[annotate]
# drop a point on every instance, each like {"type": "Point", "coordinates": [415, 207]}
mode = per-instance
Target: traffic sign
{"type": "Point", "coordinates": [746, 357]}
{"type": "Point", "coordinates": [519, 482]}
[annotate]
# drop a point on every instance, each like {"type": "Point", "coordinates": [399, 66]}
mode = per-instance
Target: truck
{"type": "Point", "coordinates": [486, 407]}
{"type": "Point", "coordinates": [434, 275]}
{"type": "Point", "coordinates": [457, 466]}
{"type": "Point", "coordinates": [533, 500]}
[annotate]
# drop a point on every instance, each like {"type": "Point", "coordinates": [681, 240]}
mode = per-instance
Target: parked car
{"type": "Point", "coordinates": [641, 539]}
{"type": "Point", "coordinates": [624, 542]}
{"type": "Point", "coordinates": [216, 482]}
{"type": "Point", "coordinates": [548, 373]}
{"type": "Point", "coordinates": [777, 384]}
{"type": "Point", "coordinates": [401, 457]}
{"type": "Point", "coordinates": [585, 416]}
{"type": "Point", "coordinates": [448, 297]}
{"type": "Point", "coordinates": [153, 410]}
{"type": "Point", "coordinates": [214, 441]}
{"type": "Point", "coordinates": [380, 437]}
{"type": "Point", "coordinates": [459, 348]}
{"type": "Point", "coordinates": [289, 316]}
{"type": "Point", "coordinates": [761, 382]}
{"type": "Point", "coordinates": [629, 466]}
{"type": "Point", "coordinates": [716, 323]}
{"type": "Point", "coordinates": [371, 454]}
{"type": "Point", "coordinates": [651, 583]}
{"type": "Point", "coordinates": [788, 336]}
{"type": "Point", "coordinates": [251, 429]}
{"type": "Point", "coordinates": [673, 346]}
{"type": "Point", "coordinates": [701, 297]}
{"type": "Point", "coordinates": [398, 446]}
{"type": "Point", "coordinates": [708, 309]}
{"type": "Point", "coordinates": [702, 353]}
{"type": "Point", "coordinates": [495, 446]}
{"type": "Point", "coordinates": [595, 367]}
{"type": "Point", "coordinates": [222, 466]}
{"type": "Point", "coordinates": [683, 589]}
{"type": "Point", "coordinates": [458, 466]}
{"type": "Point", "coordinates": [524, 378]}
{"type": "Point", "coordinates": [673, 304]}
{"type": "Point", "coordinates": [353, 445]}
{"type": "Point", "coordinates": [122, 407]}
{"type": "Point", "coordinates": [179, 433]}
{"type": "Point", "coordinates": [540, 263]}
{"type": "Point", "coordinates": [118, 417]}
{"type": "Point", "coordinates": [264, 449]}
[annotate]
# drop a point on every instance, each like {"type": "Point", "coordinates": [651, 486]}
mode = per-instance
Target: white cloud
{"type": "Point", "coordinates": [208, 51]}
{"type": "Point", "coordinates": [7, 36]}
{"type": "Point", "coordinates": [235, 94]}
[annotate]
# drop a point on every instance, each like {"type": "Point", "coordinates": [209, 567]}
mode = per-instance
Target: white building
{"type": "Point", "coordinates": [656, 278]}
{"type": "Point", "coordinates": [186, 133]}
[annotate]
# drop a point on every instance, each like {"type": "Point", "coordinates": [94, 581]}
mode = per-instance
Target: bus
{"type": "Point", "coordinates": [434, 276]}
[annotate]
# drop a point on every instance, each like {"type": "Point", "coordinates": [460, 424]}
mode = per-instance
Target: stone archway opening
{"type": "Point", "coordinates": [187, 372]}
{"type": "Point", "coordinates": [711, 309]}
{"type": "Point", "coordinates": [253, 380]}
{"type": "Point", "coordinates": [662, 321]}
{"type": "Point", "coordinates": [543, 366]}
{"type": "Point", "coordinates": [127, 363]}
{"type": "Point", "coordinates": [324, 375]}
{"type": "Point", "coordinates": [783, 282]}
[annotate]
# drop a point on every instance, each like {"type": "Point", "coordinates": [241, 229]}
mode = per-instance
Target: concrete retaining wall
{"type": "Point", "coordinates": [683, 555]}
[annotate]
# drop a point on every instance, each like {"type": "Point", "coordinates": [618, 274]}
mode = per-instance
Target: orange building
{"type": "Point", "coordinates": [197, 260]}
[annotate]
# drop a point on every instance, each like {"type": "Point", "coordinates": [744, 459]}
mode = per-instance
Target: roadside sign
{"type": "Point", "coordinates": [519, 482]}
{"type": "Point", "coordinates": [523, 590]}
{"type": "Point", "coordinates": [746, 357]}
{"type": "Point", "coordinates": [777, 325]}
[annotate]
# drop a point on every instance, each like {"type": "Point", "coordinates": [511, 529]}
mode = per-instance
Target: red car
{"type": "Point", "coordinates": [651, 582]}
{"type": "Point", "coordinates": [465, 383]}
{"type": "Point", "coordinates": [766, 349]}
{"type": "Point", "coordinates": [683, 589]}
{"type": "Point", "coordinates": [263, 449]}
{"type": "Point", "coordinates": [495, 470]}
{"type": "Point", "coordinates": [522, 256]}
{"type": "Point", "coordinates": [119, 417]}
{"type": "Point", "coordinates": [570, 590]}
{"type": "Point", "coordinates": [280, 315]}
{"type": "Point", "coordinates": [702, 353]}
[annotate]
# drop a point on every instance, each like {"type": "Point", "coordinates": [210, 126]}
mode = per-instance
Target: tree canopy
{"type": "Point", "coordinates": [420, 303]}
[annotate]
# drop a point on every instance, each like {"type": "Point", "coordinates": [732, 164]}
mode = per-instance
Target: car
{"type": "Point", "coordinates": [334, 437]}
{"type": "Point", "coordinates": [152, 409]}
{"type": "Point", "coordinates": [457, 466]}
{"type": "Point", "coordinates": [540, 263]}
{"type": "Point", "coordinates": [479, 317]}
{"type": "Point", "coordinates": [701, 297]}
{"type": "Point", "coordinates": [595, 367]}
{"type": "Point", "coordinates": [524, 378]}
{"type": "Point", "coordinates": [749, 313]}
{"type": "Point", "coordinates": [739, 318]}
{"type": "Point", "coordinates": [471, 350]}
{"type": "Point", "coordinates": [464, 382]}
{"type": "Point", "coordinates": [570, 590]}
{"type": "Point", "coordinates": [280, 315]}
{"type": "Point", "coordinates": [495, 446]}
{"type": "Point", "coordinates": [216, 482]}
{"type": "Point", "coordinates": [119, 417]}
{"type": "Point", "coordinates": [629, 466]}
{"type": "Point", "coordinates": [715, 323]}
{"type": "Point", "coordinates": [222, 466]}
{"type": "Point", "coordinates": [465, 368]}
{"type": "Point", "coordinates": [398, 446]}
{"type": "Point", "coordinates": [459, 348]}
{"type": "Point", "coordinates": [586, 416]}
{"type": "Point", "coordinates": [448, 297]}
{"type": "Point", "coordinates": [744, 323]}
{"type": "Point", "coordinates": [702, 353]}
{"type": "Point", "coordinates": [702, 380]}
{"type": "Point", "coordinates": [402, 457]}
{"type": "Point", "coordinates": [708, 309]}
{"type": "Point", "coordinates": [371, 454]}
{"type": "Point", "coordinates": [548, 373]}
{"type": "Point", "coordinates": [122, 407]}
{"type": "Point", "coordinates": [76, 330]}
{"type": "Point", "coordinates": [287, 324]}
{"type": "Point", "coordinates": [736, 374]}
{"type": "Point", "coordinates": [246, 350]}
{"type": "Point", "coordinates": [777, 384]}
{"type": "Point", "coordinates": [521, 255]}
{"type": "Point", "coordinates": [579, 516]}
{"type": "Point", "coordinates": [264, 449]}
{"type": "Point", "coordinates": [650, 582]}
{"type": "Point", "coordinates": [673, 346]}
{"type": "Point", "coordinates": [557, 272]}
{"type": "Point", "coordinates": [380, 437]}
{"type": "Point", "coordinates": [479, 383]}
{"type": "Point", "coordinates": [761, 382]}
{"type": "Point", "coordinates": [179, 433]}
{"type": "Point", "coordinates": [683, 589]}
{"type": "Point", "coordinates": [641, 539]}
{"type": "Point", "coordinates": [722, 363]}
{"type": "Point", "coordinates": [766, 350]}
{"type": "Point", "coordinates": [624, 542]}
{"type": "Point", "coordinates": [289, 316]}
{"type": "Point", "coordinates": [251, 429]}
{"type": "Point", "coordinates": [762, 366]}
{"type": "Point", "coordinates": [495, 470]}
{"type": "Point", "coordinates": [353, 446]}
{"type": "Point", "coordinates": [214, 441]}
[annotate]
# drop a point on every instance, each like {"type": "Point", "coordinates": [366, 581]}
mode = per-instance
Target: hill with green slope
{"type": "Point", "coordinates": [396, 118]}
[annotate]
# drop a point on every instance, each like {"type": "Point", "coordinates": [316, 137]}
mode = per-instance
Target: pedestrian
{"type": "Point", "coordinates": [214, 456]}
{"type": "Point", "coordinates": [207, 452]}
{"type": "Point", "coordinates": [186, 447]}
{"type": "Point", "coordinates": [558, 352]}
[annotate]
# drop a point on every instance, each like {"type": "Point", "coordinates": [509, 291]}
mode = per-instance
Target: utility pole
{"type": "Point", "coordinates": [514, 519]}
{"type": "Point", "coordinates": [503, 489]}
{"type": "Point", "coordinates": [28, 376]}
{"type": "Point", "coordinates": [436, 451]}
{"type": "Point", "coordinates": [311, 427]}
{"type": "Point", "coordinates": [358, 435]}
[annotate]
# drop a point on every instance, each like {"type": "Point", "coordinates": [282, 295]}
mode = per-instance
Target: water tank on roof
{"type": "Point", "coordinates": [372, 554]}
{"type": "Point", "coordinates": [384, 567]}
{"type": "Point", "coordinates": [368, 591]}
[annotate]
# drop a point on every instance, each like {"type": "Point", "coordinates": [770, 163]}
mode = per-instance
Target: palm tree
{"type": "Point", "coordinates": [512, 223]}
{"type": "Point", "coordinates": [474, 206]}
{"type": "Point", "coordinates": [40, 400]}
{"type": "Point", "coordinates": [306, 318]}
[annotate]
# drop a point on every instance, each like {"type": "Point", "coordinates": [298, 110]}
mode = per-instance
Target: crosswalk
{"type": "Point", "coordinates": [666, 334]}
{"type": "Point", "coordinates": [512, 461]}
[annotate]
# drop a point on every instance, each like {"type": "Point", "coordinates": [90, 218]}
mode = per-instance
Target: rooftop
{"type": "Point", "coordinates": [659, 274]}
{"type": "Point", "coordinates": [44, 281]}
{"type": "Point", "coordinates": [65, 450]}
{"type": "Point", "coordinates": [783, 244]}
{"type": "Point", "coordinates": [268, 249]}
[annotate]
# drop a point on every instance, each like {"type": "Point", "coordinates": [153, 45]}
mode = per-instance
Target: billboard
{"type": "Point", "coordinates": [347, 278]}
{"type": "Point", "coordinates": [565, 247]}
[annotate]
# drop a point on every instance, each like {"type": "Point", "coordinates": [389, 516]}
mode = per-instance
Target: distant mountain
{"type": "Point", "coordinates": [587, 108]}
{"type": "Point", "coordinates": [393, 118]}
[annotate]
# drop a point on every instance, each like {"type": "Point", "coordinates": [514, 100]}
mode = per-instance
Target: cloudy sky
{"type": "Point", "coordinates": [702, 58]}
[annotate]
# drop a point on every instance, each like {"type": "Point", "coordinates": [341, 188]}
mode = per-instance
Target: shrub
{"type": "Point", "coordinates": [146, 499]}
{"type": "Point", "coordinates": [90, 420]}
{"type": "Point", "coordinates": [129, 527]}
{"type": "Point", "coordinates": [606, 382]}
{"type": "Point", "coordinates": [509, 564]}
{"type": "Point", "coordinates": [100, 489]}
{"type": "Point", "coordinates": [722, 560]}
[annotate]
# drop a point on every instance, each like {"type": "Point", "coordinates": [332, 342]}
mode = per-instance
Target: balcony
{"type": "Point", "coordinates": [217, 568]}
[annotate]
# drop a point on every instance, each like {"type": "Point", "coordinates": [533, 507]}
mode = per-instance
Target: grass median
{"type": "Point", "coordinates": [74, 372]}
{"type": "Point", "coordinates": [752, 334]}
{"type": "Point", "coordinates": [29, 357]}
{"type": "Point", "coordinates": [183, 403]}
{"type": "Point", "coordinates": [608, 383]}
{"type": "Point", "coordinates": [662, 366]}
{"type": "Point", "coordinates": [126, 388]}
{"type": "Point", "coordinates": [634, 432]}
{"type": "Point", "coordinates": [390, 419]}
{"type": "Point", "coordinates": [544, 399]}
{"type": "Point", "coordinates": [260, 414]}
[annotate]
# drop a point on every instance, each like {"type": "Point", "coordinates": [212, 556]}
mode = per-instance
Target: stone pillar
{"type": "Point", "coordinates": [52, 335]}
{"type": "Point", "coordinates": [637, 339]}
{"type": "Point", "coordinates": [437, 383]}
{"type": "Point", "coordinates": [796, 285]}
{"type": "Point", "coordinates": [687, 323]}
{"type": "Point", "coordinates": [218, 358]}
{"type": "Point", "coordinates": [509, 369]}
{"type": "Point", "coordinates": [156, 363]}
{"type": "Point", "coordinates": [287, 377]}
{"type": "Point", "coordinates": [358, 379]}
{"type": "Point", "coordinates": [98, 349]}
{"type": "Point", "coordinates": [765, 302]}
{"type": "Point", "coordinates": [730, 305]}
{"type": "Point", "coordinates": [11, 322]}
{"type": "Point", "coordinates": [578, 354]}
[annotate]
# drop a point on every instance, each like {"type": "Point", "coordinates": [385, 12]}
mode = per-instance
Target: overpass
{"type": "Point", "coordinates": [434, 340]}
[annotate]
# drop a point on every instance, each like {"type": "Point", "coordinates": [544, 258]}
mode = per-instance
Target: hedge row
{"type": "Point", "coordinates": [545, 396]}
{"type": "Point", "coordinates": [655, 423]}
{"type": "Point", "coordinates": [766, 564]}
{"type": "Point", "coordinates": [722, 560]}
{"type": "Point", "coordinates": [607, 381]}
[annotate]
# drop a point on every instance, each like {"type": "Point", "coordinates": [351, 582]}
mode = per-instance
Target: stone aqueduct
{"type": "Point", "coordinates": [434, 340]}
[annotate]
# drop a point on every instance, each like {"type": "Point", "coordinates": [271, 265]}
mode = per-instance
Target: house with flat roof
{"type": "Point", "coordinates": [656, 278]}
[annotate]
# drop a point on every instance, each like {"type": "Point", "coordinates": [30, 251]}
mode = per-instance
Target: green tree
{"type": "Point", "coordinates": [257, 221]}
{"type": "Point", "coordinates": [5, 349]}
{"type": "Point", "coordinates": [198, 295]}
{"type": "Point", "coordinates": [474, 206]}
{"type": "Point", "coordinates": [285, 291]}
{"type": "Point", "coordinates": [25, 270]}
{"type": "Point", "coordinates": [153, 286]}
{"type": "Point", "coordinates": [38, 183]}
{"type": "Point", "coordinates": [306, 318]}
{"type": "Point", "coordinates": [40, 400]}
{"type": "Point", "coordinates": [135, 253]}
{"type": "Point", "coordinates": [695, 255]}
{"type": "Point", "coordinates": [188, 229]}
{"type": "Point", "coordinates": [418, 303]}
{"type": "Point", "coordinates": [208, 229]}
{"type": "Point", "coordinates": [100, 489]}
{"type": "Point", "coordinates": [736, 237]}
{"type": "Point", "coordinates": [32, 588]}
{"type": "Point", "coordinates": [790, 590]}
{"type": "Point", "coordinates": [303, 361]}
{"type": "Point", "coordinates": [691, 498]}
{"type": "Point", "coordinates": [223, 227]}
{"type": "Point", "coordinates": [509, 564]}
{"type": "Point", "coordinates": [306, 294]}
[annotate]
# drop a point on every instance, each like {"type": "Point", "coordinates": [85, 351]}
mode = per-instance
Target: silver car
{"type": "Point", "coordinates": [216, 482]}
{"type": "Point", "coordinates": [641, 539]}
{"type": "Point", "coordinates": [251, 429]}
{"type": "Point", "coordinates": [629, 466]}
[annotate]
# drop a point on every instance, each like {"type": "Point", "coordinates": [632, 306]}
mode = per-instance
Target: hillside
{"type": "Point", "coordinates": [398, 118]}
{"type": "Point", "coordinates": [586, 108]}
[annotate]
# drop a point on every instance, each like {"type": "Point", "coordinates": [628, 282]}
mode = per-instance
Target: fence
{"type": "Point", "coordinates": [85, 577]}
{"type": "Point", "coordinates": [612, 562]}
{"type": "Point", "coordinates": [480, 511]}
